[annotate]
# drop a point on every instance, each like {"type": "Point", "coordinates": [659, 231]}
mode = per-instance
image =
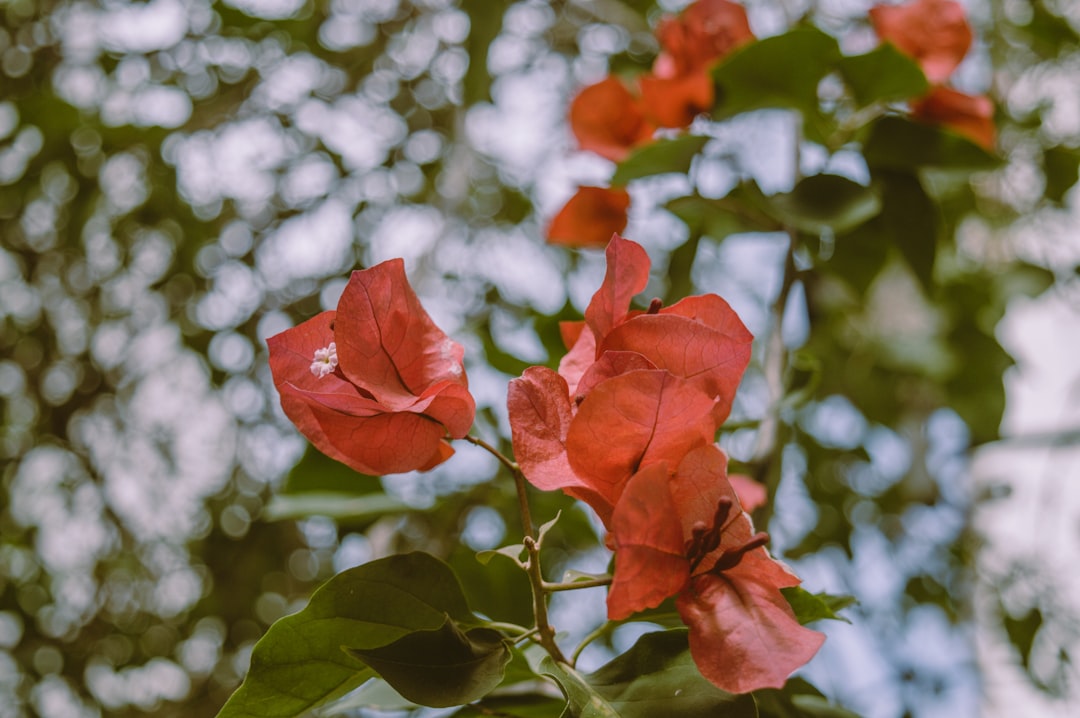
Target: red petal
{"type": "Point", "coordinates": [633, 420]}
{"type": "Point", "coordinates": [607, 120]}
{"type": "Point", "coordinates": [589, 219]}
{"type": "Point", "coordinates": [968, 115]}
{"type": "Point", "coordinates": [935, 33]}
{"type": "Point", "coordinates": [387, 343]}
{"type": "Point", "coordinates": [650, 564]}
{"type": "Point", "coordinates": [676, 101]}
{"type": "Point", "coordinates": [384, 443]}
{"type": "Point", "coordinates": [711, 358]}
{"type": "Point", "coordinates": [627, 274]}
{"type": "Point", "coordinates": [743, 635]}
{"type": "Point", "coordinates": [752, 494]}
{"type": "Point", "coordinates": [610, 365]}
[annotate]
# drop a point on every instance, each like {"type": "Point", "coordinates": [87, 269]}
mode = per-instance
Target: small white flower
{"type": "Point", "coordinates": [325, 361]}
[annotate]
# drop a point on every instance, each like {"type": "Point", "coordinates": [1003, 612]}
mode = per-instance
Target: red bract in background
{"type": "Point", "coordinates": [375, 385]}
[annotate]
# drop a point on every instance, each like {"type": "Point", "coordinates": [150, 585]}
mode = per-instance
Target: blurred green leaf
{"type": "Point", "coordinates": [882, 75]}
{"type": "Point", "coordinates": [302, 663]}
{"type": "Point", "coordinates": [744, 209]}
{"type": "Point", "coordinates": [513, 706]}
{"type": "Point", "coordinates": [825, 202]}
{"type": "Point", "coordinates": [897, 143]}
{"type": "Point", "coordinates": [781, 71]}
{"type": "Point", "coordinates": [441, 667]}
{"type": "Point", "coordinates": [659, 157]}
{"type": "Point", "coordinates": [342, 507]}
{"type": "Point", "coordinates": [1061, 166]}
{"type": "Point", "coordinates": [317, 473]}
{"type": "Point", "coordinates": [909, 220]}
{"type": "Point", "coordinates": [810, 607]}
{"type": "Point", "coordinates": [485, 22]}
{"type": "Point", "coordinates": [657, 676]}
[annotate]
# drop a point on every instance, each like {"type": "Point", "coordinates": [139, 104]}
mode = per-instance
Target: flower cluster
{"type": "Point", "coordinates": [612, 119]}
{"type": "Point", "coordinates": [627, 424]}
{"type": "Point", "coordinates": [936, 34]}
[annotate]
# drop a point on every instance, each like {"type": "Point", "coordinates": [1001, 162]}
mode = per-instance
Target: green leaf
{"type": "Point", "coordinates": [810, 607]}
{"type": "Point", "coordinates": [443, 667]}
{"type": "Point", "coordinates": [1061, 166]}
{"type": "Point", "coordinates": [300, 663]}
{"type": "Point", "coordinates": [581, 700]}
{"type": "Point", "coordinates": [909, 219]}
{"type": "Point", "coordinates": [901, 144]}
{"type": "Point", "coordinates": [744, 209]}
{"type": "Point", "coordinates": [513, 706]}
{"type": "Point", "coordinates": [343, 507]}
{"type": "Point", "coordinates": [781, 71]}
{"type": "Point", "coordinates": [826, 202]}
{"type": "Point", "coordinates": [318, 473]}
{"type": "Point", "coordinates": [499, 590]}
{"type": "Point", "coordinates": [797, 699]}
{"type": "Point", "coordinates": [659, 157]}
{"type": "Point", "coordinates": [882, 75]}
{"type": "Point", "coordinates": [485, 22]}
{"type": "Point", "coordinates": [512, 552]}
{"type": "Point", "coordinates": [657, 676]}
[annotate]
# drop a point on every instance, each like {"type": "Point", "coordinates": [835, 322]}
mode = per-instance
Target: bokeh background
{"type": "Point", "coordinates": [180, 179]}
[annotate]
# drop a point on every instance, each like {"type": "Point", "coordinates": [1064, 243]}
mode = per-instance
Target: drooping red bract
{"type": "Point", "coordinates": [684, 533]}
{"type": "Point", "coordinates": [637, 388]}
{"type": "Point", "coordinates": [375, 384]}
{"type": "Point", "coordinates": [606, 119]}
{"type": "Point", "coordinates": [590, 217]}
{"type": "Point", "coordinates": [935, 33]}
{"type": "Point", "coordinates": [969, 115]}
{"type": "Point", "coordinates": [680, 86]}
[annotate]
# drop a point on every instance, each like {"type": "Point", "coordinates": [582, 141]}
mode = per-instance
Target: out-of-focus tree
{"type": "Point", "coordinates": [180, 180]}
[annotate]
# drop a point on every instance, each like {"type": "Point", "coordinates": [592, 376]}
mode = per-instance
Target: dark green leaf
{"type": "Point", "coordinates": [810, 607]}
{"type": "Point", "coordinates": [500, 589]}
{"type": "Point", "coordinates": [882, 75]}
{"type": "Point", "coordinates": [1061, 165]}
{"type": "Point", "coordinates": [657, 676]}
{"type": "Point", "coordinates": [797, 699]}
{"type": "Point", "coordinates": [443, 667]}
{"type": "Point", "coordinates": [909, 220]}
{"type": "Point", "coordinates": [901, 144]}
{"type": "Point", "coordinates": [825, 202]}
{"type": "Point", "coordinates": [780, 71]}
{"type": "Point", "coordinates": [300, 662]}
{"type": "Point", "coordinates": [659, 157]}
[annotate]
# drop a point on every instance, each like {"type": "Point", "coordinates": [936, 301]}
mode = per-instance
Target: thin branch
{"type": "Point", "coordinates": [596, 633]}
{"type": "Point", "coordinates": [574, 585]}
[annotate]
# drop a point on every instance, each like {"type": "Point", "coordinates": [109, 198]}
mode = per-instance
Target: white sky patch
{"type": "Point", "coordinates": [157, 25]}
{"type": "Point", "coordinates": [313, 245]}
{"type": "Point", "coordinates": [361, 132]}
{"type": "Point", "coordinates": [406, 232]}
{"type": "Point", "coordinates": [269, 9]}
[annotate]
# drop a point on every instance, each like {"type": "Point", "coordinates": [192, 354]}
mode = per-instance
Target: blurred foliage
{"type": "Point", "coordinates": [180, 179]}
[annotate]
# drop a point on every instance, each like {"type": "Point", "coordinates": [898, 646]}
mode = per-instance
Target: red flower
{"type": "Point", "coordinates": [699, 338]}
{"type": "Point", "coordinates": [590, 217]}
{"type": "Point", "coordinates": [637, 388]}
{"type": "Point", "coordinates": [933, 32]}
{"type": "Point", "coordinates": [375, 385]}
{"type": "Point", "coordinates": [607, 120]}
{"type": "Point", "coordinates": [969, 115]}
{"type": "Point", "coordinates": [680, 87]}
{"type": "Point", "coordinates": [685, 534]}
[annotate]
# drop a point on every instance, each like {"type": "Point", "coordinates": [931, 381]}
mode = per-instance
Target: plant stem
{"type": "Point", "coordinates": [596, 633]}
{"type": "Point", "coordinates": [574, 585]}
{"type": "Point", "coordinates": [545, 633]}
{"type": "Point", "coordinates": [519, 481]}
